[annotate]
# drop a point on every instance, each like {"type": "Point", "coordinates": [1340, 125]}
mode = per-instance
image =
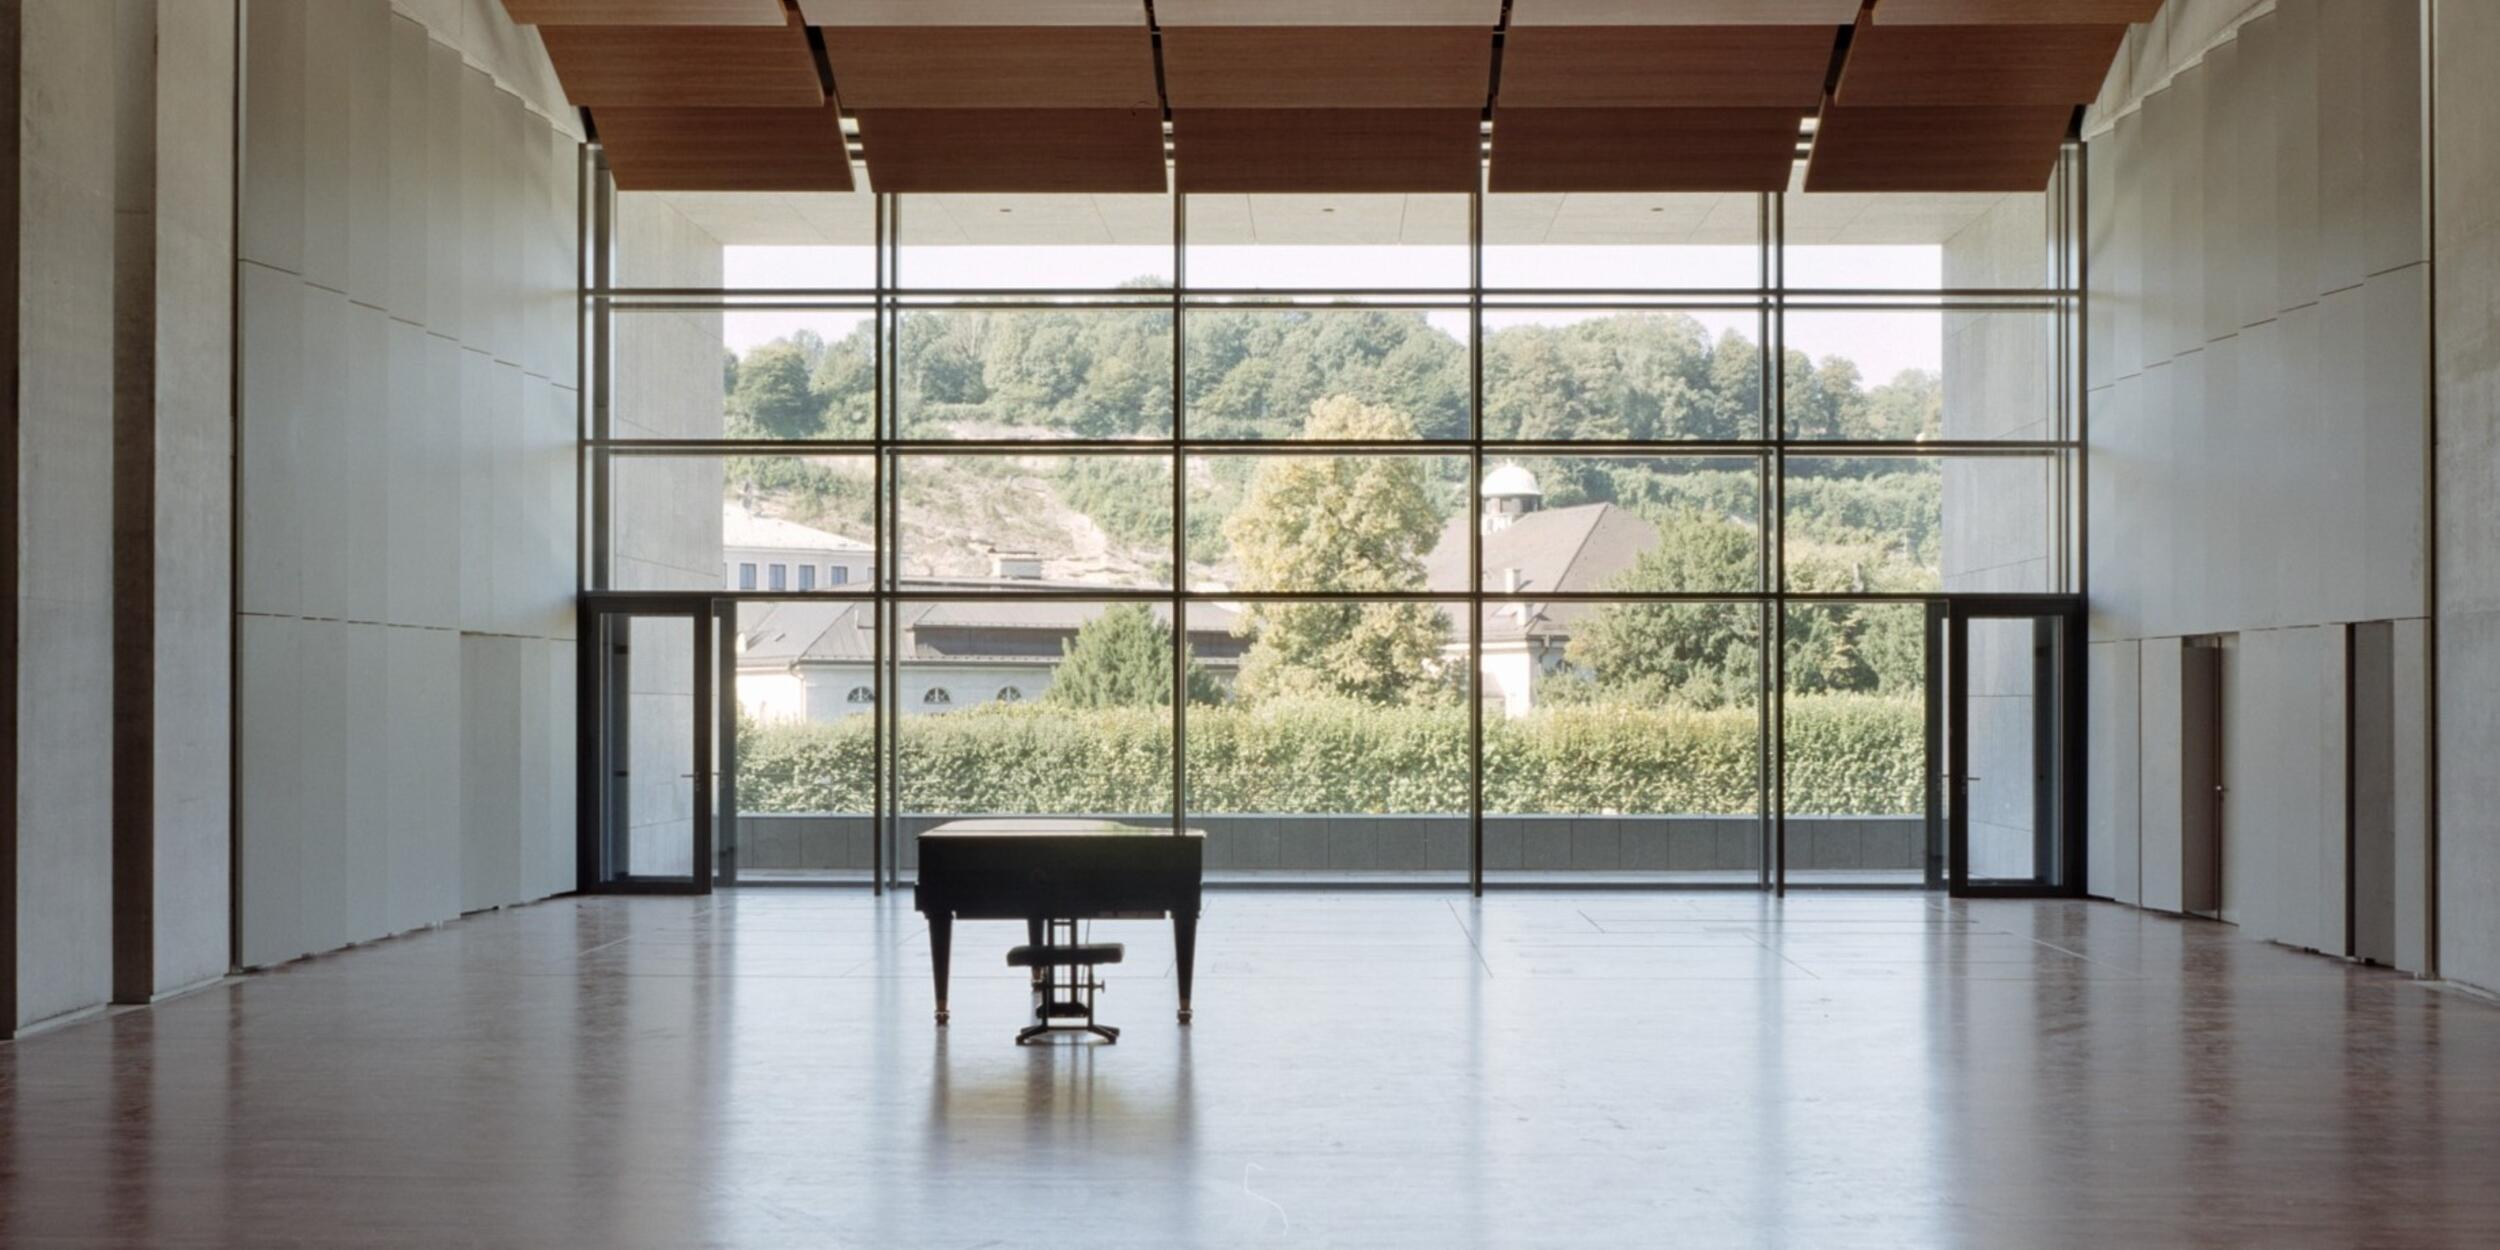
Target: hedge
{"type": "Point", "coordinates": [1847, 753]}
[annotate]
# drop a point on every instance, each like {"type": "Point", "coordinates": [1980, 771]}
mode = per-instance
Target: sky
{"type": "Point", "coordinates": [1882, 343]}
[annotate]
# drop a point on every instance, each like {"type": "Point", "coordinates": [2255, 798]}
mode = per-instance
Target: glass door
{"type": "Point", "coordinates": [652, 786]}
{"type": "Point", "coordinates": [2012, 773]}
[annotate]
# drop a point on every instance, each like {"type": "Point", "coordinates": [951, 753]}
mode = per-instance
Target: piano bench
{"type": "Point", "coordinates": [1080, 955]}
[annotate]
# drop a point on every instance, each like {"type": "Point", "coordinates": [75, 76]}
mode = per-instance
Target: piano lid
{"type": "Point", "coordinates": [1052, 827]}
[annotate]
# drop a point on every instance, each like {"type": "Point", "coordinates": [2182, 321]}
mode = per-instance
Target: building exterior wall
{"type": "Point", "coordinates": [833, 568]}
{"type": "Point", "coordinates": [409, 361]}
{"type": "Point", "coordinates": [2258, 444]}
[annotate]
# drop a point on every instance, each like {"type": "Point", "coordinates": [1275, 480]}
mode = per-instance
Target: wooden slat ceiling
{"type": "Point", "coordinates": [1964, 65]}
{"type": "Point", "coordinates": [1335, 95]}
{"type": "Point", "coordinates": [1977, 148]}
{"type": "Point", "coordinates": [1325, 150]}
{"type": "Point", "coordinates": [999, 151]}
{"type": "Point", "coordinates": [1682, 12]}
{"type": "Point", "coordinates": [1621, 149]}
{"type": "Point", "coordinates": [646, 12]}
{"type": "Point", "coordinates": [1345, 67]}
{"type": "Point", "coordinates": [993, 67]}
{"type": "Point", "coordinates": [695, 66]}
{"type": "Point", "coordinates": [974, 12]}
{"type": "Point", "coordinates": [2017, 12]}
{"type": "Point", "coordinates": [1666, 66]}
{"type": "Point", "coordinates": [718, 149]}
{"type": "Point", "coordinates": [1481, 14]}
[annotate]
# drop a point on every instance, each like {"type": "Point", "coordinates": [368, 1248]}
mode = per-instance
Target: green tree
{"type": "Point", "coordinates": [1123, 658]}
{"type": "Point", "coordinates": [1360, 524]}
{"type": "Point", "coordinates": [773, 398]}
{"type": "Point", "coordinates": [844, 382]}
{"type": "Point", "coordinates": [1701, 655]}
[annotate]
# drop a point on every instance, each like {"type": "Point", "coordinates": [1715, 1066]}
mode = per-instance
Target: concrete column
{"type": "Point", "coordinates": [173, 496]}
{"type": "Point", "coordinates": [2465, 847]}
{"type": "Point", "coordinates": [56, 555]}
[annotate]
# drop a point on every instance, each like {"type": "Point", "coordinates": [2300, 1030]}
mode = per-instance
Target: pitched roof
{"type": "Point", "coordinates": [741, 528]}
{"type": "Point", "coordinates": [1577, 549]}
{"type": "Point", "coordinates": [833, 630]}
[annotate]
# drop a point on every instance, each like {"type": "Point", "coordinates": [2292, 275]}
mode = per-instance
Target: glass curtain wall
{"type": "Point", "coordinates": [1522, 538]}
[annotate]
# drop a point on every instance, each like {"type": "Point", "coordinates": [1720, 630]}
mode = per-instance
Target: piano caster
{"type": "Point", "coordinates": [941, 1017]}
{"type": "Point", "coordinates": [1184, 1015]}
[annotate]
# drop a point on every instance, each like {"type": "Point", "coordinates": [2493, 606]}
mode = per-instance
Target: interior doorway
{"type": "Point", "coordinates": [2204, 784]}
{"type": "Point", "coordinates": [2013, 755]}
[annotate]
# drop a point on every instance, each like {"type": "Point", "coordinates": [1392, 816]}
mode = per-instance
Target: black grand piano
{"type": "Point", "coordinates": [1044, 870]}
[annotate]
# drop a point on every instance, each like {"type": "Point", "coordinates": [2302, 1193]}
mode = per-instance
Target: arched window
{"type": "Point", "coordinates": [1009, 694]}
{"type": "Point", "coordinates": [937, 694]}
{"type": "Point", "coordinates": [860, 694]}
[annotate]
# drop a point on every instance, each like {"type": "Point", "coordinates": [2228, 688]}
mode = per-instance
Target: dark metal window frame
{"type": "Point", "coordinates": [888, 449]}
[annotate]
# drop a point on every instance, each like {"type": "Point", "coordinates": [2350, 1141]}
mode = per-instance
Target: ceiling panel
{"type": "Point", "coordinates": [725, 66]}
{"type": "Point", "coordinates": [998, 151]}
{"type": "Point", "coordinates": [993, 67]}
{"type": "Point", "coordinates": [721, 149]}
{"type": "Point", "coordinates": [1351, 67]}
{"type": "Point", "coordinates": [1643, 149]}
{"type": "Point", "coordinates": [1667, 66]}
{"type": "Point", "coordinates": [1426, 219]}
{"type": "Point", "coordinates": [1326, 150]}
{"type": "Point", "coordinates": [974, 12]}
{"type": "Point", "coordinates": [775, 219]}
{"type": "Point", "coordinates": [1682, 12]}
{"type": "Point", "coordinates": [1985, 148]}
{"type": "Point", "coordinates": [1996, 12]}
{"type": "Point", "coordinates": [1970, 65]}
{"type": "Point", "coordinates": [1175, 13]}
{"type": "Point", "coordinates": [646, 12]}
{"type": "Point", "coordinates": [982, 220]}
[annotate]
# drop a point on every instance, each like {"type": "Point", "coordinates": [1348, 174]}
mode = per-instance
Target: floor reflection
{"type": "Point", "coordinates": [1393, 1069]}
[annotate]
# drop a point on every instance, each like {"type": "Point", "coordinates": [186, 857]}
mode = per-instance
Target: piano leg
{"type": "Point", "coordinates": [1185, 952]}
{"type": "Point", "coordinates": [941, 946]}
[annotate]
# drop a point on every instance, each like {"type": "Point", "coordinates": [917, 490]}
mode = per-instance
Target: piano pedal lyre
{"type": "Point", "coordinates": [1064, 981]}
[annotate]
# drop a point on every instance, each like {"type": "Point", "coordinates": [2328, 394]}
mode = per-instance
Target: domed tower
{"type": "Point", "coordinates": [1510, 492]}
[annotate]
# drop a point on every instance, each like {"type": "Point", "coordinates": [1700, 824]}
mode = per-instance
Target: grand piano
{"type": "Point", "coordinates": [1042, 870]}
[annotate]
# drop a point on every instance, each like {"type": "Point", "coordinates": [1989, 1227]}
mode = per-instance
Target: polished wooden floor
{"type": "Point", "coordinates": [1381, 1069]}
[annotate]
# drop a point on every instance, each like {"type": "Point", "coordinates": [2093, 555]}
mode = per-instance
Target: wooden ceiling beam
{"type": "Point", "coordinates": [646, 12]}
{"type": "Point", "coordinates": [1666, 66]}
{"type": "Point", "coordinates": [695, 66]}
{"type": "Point", "coordinates": [974, 12]}
{"type": "Point", "coordinates": [1336, 67]}
{"type": "Point", "coordinates": [1682, 12]}
{"type": "Point", "coordinates": [1014, 150]}
{"type": "Point", "coordinates": [1625, 149]}
{"type": "Point", "coordinates": [724, 149]}
{"type": "Point", "coordinates": [993, 67]}
{"type": "Point", "coordinates": [2014, 12]}
{"type": "Point", "coordinates": [1326, 150]}
{"type": "Point", "coordinates": [1175, 14]}
{"type": "Point", "coordinates": [1976, 65]}
{"type": "Point", "coordinates": [1972, 148]}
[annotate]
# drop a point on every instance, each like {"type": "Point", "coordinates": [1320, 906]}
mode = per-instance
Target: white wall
{"type": "Point", "coordinates": [2258, 448]}
{"type": "Point", "coordinates": [2467, 115]}
{"type": "Point", "coordinates": [173, 494]}
{"type": "Point", "coordinates": [56, 650]}
{"type": "Point", "coordinates": [408, 347]}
